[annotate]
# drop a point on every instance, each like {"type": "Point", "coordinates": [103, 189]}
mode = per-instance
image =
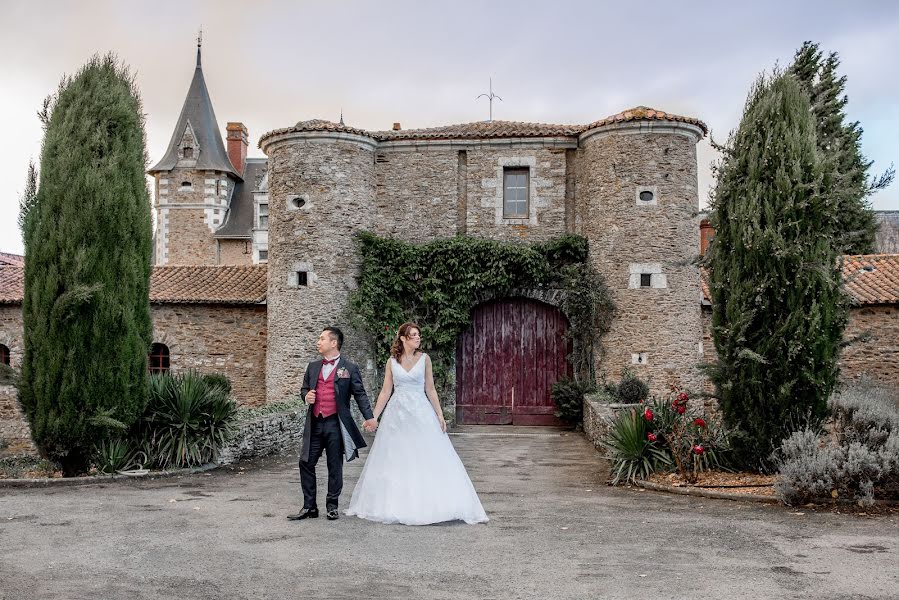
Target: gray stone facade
{"type": "Point", "coordinates": [347, 180]}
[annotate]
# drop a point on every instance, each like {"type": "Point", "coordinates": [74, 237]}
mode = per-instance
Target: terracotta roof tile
{"type": "Point", "coordinates": [12, 284]}
{"type": "Point", "coordinates": [490, 129]}
{"type": "Point", "coordinates": [644, 113]}
{"type": "Point", "coordinates": [15, 260]}
{"type": "Point", "coordinates": [872, 278]}
{"type": "Point", "coordinates": [176, 285]}
{"type": "Point", "coordinates": [868, 278]}
{"type": "Point", "coordinates": [209, 285]}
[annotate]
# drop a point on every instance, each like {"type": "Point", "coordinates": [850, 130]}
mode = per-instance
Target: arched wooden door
{"type": "Point", "coordinates": [507, 361]}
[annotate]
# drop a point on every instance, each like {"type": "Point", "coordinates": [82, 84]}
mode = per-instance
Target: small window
{"type": "Point", "coordinates": [296, 202]}
{"type": "Point", "coordinates": [515, 192]}
{"type": "Point", "coordinates": [302, 279]}
{"type": "Point", "coordinates": [185, 184]}
{"type": "Point", "coordinates": [645, 280]}
{"type": "Point", "coordinates": [159, 358]}
{"type": "Point", "coordinates": [646, 196]}
{"type": "Point", "coordinates": [188, 152]}
{"type": "Point", "coordinates": [263, 255]}
{"type": "Point", "coordinates": [218, 187]}
{"type": "Point", "coordinates": [263, 216]}
{"type": "Point", "coordinates": [4, 354]}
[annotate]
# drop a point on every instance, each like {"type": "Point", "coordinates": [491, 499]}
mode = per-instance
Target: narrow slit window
{"type": "Point", "coordinates": [515, 192]}
{"type": "Point", "coordinates": [302, 279]}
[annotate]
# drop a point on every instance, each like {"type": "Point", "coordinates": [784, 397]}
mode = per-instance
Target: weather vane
{"type": "Point", "coordinates": [491, 97]}
{"type": "Point", "coordinates": [200, 37]}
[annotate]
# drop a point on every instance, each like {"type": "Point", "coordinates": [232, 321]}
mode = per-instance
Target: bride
{"type": "Point", "coordinates": [412, 474]}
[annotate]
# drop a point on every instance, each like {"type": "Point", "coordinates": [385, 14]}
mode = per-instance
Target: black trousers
{"type": "Point", "coordinates": [325, 437]}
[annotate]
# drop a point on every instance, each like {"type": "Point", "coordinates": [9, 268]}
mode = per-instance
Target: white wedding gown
{"type": "Point", "coordinates": [412, 474]}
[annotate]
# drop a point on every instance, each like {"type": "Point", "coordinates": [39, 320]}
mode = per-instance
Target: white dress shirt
{"type": "Point", "coordinates": [326, 369]}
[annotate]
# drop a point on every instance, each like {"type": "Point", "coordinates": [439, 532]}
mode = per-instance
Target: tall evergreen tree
{"type": "Point", "coordinates": [840, 142]}
{"type": "Point", "coordinates": [28, 196]}
{"type": "Point", "coordinates": [778, 310]}
{"type": "Point", "coordinates": [87, 266]}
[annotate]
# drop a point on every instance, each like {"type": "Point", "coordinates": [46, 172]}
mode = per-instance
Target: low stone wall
{"type": "Point", "coordinates": [598, 416]}
{"type": "Point", "coordinates": [264, 435]}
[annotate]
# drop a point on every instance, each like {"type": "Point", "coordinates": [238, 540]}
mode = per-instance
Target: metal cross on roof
{"type": "Point", "coordinates": [491, 96]}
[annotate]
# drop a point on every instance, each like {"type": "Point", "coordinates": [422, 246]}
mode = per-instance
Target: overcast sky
{"type": "Point", "coordinates": [270, 64]}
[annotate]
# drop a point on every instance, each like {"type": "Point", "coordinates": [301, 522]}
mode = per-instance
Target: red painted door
{"type": "Point", "coordinates": [507, 361]}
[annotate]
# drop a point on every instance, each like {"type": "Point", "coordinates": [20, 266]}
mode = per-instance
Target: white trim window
{"type": "Point", "coordinates": [516, 184]}
{"type": "Point", "coordinates": [262, 223]}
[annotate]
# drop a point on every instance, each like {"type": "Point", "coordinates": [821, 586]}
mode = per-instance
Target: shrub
{"type": "Point", "coordinates": [632, 453]}
{"type": "Point", "coordinates": [218, 379]}
{"type": "Point", "coordinates": [187, 420]}
{"type": "Point", "coordinates": [568, 394]}
{"type": "Point", "coordinates": [631, 389]}
{"type": "Point", "coordinates": [118, 454]}
{"type": "Point", "coordinates": [859, 459]}
{"type": "Point", "coordinates": [695, 442]}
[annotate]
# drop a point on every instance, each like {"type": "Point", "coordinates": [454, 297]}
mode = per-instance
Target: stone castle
{"type": "Point", "coordinates": [253, 257]}
{"type": "Point", "coordinates": [627, 183]}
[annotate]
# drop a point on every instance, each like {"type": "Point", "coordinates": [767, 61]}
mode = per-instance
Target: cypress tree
{"type": "Point", "coordinates": [778, 311]}
{"type": "Point", "coordinates": [840, 142]}
{"type": "Point", "coordinates": [87, 239]}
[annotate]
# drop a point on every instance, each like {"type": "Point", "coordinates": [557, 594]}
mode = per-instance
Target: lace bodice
{"type": "Point", "coordinates": [413, 379]}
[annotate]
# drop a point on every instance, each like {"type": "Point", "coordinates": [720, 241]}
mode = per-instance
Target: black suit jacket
{"type": "Point", "coordinates": [344, 387]}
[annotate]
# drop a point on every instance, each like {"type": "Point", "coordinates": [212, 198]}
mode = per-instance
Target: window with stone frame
{"type": "Point", "coordinates": [263, 216]}
{"type": "Point", "coordinates": [516, 186]}
{"type": "Point", "coordinates": [188, 152]}
{"type": "Point", "coordinates": [159, 358]}
{"type": "Point", "coordinates": [645, 280]}
{"type": "Point", "coordinates": [4, 354]}
{"type": "Point", "coordinates": [263, 256]}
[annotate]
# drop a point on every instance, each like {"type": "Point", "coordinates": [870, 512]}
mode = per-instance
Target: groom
{"type": "Point", "coordinates": [327, 386]}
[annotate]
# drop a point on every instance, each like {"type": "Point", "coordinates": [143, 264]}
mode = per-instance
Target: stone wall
{"type": "Point", "coordinates": [235, 252]}
{"type": "Point", "coordinates": [265, 435]}
{"type": "Point", "coordinates": [321, 192]}
{"type": "Point", "coordinates": [547, 178]}
{"type": "Point", "coordinates": [15, 437]}
{"type": "Point", "coordinates": [657, 330]}
{"type": "Point", "coordinates": [215, 338]}
{"type": "Point", "coordinates": [416, 193]}
{"type": "Point", "coordinates": [874, 351]}
{"type": "Point", "coordinates": [188, 215]}
{"type": "Point", "coordinates": [599, 414]}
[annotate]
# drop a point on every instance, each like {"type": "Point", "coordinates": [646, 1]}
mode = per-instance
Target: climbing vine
{"type": "Point", "coordinates": [437, 284]}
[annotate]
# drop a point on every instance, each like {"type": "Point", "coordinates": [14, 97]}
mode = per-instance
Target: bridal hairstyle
{"type": "Point", "coordinates": [396, 349]}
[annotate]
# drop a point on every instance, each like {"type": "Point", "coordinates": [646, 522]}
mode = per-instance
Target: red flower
{"type": "Point", "coordinates": [651, 437]}
{"type": "Point", "coordinates": [647, 414]}
{"type": "Point", "coordinates": [682, 397]}
{"type": "Point", "coordinates": [681, 409]}
{"type": "Point", "coordinates": [699, 422]}
{"type": "Point", "coordinates": [698, 449]}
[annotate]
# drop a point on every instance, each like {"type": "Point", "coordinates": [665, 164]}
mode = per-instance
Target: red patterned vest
{"type": "Point", "coordinates": [325, 397]}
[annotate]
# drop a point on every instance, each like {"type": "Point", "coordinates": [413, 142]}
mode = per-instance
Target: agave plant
{"type": "Point", "coordinates": [188, 419]}
{"type": "Point", "coordinates": [118, 454]}
{"type": "Point", "coordinates": [632, 453]}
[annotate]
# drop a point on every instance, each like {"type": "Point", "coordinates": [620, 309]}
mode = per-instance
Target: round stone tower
{"type": "Point", "coordinates": [321, 192]}
{"type": "Point", "coordinates": [637, 205]}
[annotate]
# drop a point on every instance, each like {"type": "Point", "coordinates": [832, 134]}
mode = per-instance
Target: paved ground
{"type": "Point", "coordinates": [556, 531]}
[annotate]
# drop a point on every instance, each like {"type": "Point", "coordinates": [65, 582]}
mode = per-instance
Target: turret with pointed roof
{"type": "Point", "coordinates": [197, 187]}
{"type": "Point", "coordinates": [197, 122]}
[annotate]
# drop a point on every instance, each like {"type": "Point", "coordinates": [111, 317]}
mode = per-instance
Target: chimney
{"type": "Point", "coordinates": [706, 233]}
{"type": "Point", "coordinates": [396, 127]}
{"type": "Point", "coordinates": [237, 146]}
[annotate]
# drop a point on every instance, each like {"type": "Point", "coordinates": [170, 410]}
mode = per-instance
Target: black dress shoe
{"type": "Point", "coordinates": [306, 513]}
{"type": "Point", "coordinates": [332, 514]}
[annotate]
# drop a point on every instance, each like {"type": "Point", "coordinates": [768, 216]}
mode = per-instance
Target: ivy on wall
{"type": "Point", "coordinates": [437, 284]}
